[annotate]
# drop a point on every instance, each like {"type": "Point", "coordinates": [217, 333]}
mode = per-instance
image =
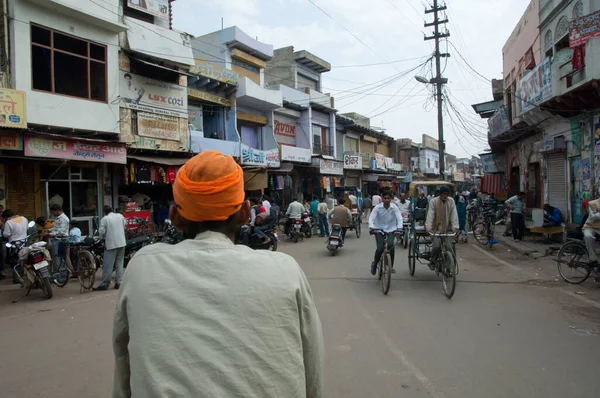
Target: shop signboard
{"type": "Point", "coordinates": [396, 167]}
{"type": "Point", "coordinates": [380, 162]}
{"type": "Point", "coordinates": [353, 162]}
{"type": "Point", "coordinates": [152, 96]}
{"type": "Point", "coordinates": [11, 141]}
{"type": "Point", "coordinates": [157, 8]}
{"type": "Point", "coordinates": [204, 96]}
{"type": "Point", "coordinates": [295, 154]}
{"type": "Point", "coordinates": [257, 157]}
{"type": "Point", "coordinates": [331, 167]}
{"type": "Point", "coordinates": [285, 131]}
{"type": "Point", "coordinates": [13, 109]}
{"type": "Point", "coordinates": [388, 163]}
{"type": "Point", "coordinates": [214, 72]}
{"type": "Point", "coordinates": [536, 86]}
{"type": "Point", "coordinates": [492, 163]}
{"type": "Point", "coordinates": [89, 151]}
{"type": "Point", "coordinates": [498, 124]}
{"type": "Point", "coordinates": [158, 126]}
{"type": "Point", "coordinates": [584, 28]}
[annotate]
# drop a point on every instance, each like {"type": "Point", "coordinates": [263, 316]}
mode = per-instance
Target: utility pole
{"type": "Point", "coordinates": [439, 81]}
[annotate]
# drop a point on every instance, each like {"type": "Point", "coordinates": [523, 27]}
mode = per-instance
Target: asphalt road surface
{"type": "Point", "coordinates": [511, 330]}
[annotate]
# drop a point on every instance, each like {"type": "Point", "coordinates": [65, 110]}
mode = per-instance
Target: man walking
{"type": "Point", "coordinates": [516, 205]}
{"type": "Point", "coordinates": [323, 224]}
{"type": "Point", "coordinates": [367, 207]}
{"type": "Point", "coordinates": [208, 318]}
{"type": "Point", "coordinates": [112, 228]}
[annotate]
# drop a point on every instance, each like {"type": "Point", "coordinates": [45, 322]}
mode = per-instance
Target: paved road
{"type": "Point", "coordinates": [511, 330]}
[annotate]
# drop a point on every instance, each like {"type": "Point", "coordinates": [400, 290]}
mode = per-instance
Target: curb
{"type": "Point", "coordinates": [526, 251]}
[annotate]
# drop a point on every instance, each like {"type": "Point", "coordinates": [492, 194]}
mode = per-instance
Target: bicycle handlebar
{"type": "Point", "coordinates": [382, 232]}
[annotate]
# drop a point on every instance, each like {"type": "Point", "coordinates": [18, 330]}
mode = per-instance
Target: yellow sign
{"type": "Point", "coordinates": [204, 96]}
{"type": "Point", "coordinates": [13, 109]}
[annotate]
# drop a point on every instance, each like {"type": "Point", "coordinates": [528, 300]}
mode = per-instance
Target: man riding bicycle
{"type": "Point", "coordinates": [442, 218]}
{"type": "Point", "coordinates": [387, 217]}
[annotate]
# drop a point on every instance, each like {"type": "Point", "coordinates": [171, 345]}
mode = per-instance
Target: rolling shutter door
{"type": "Point", "coordinates": [352, 182]}
{"type": "Point", "coordinates": [557, 182]}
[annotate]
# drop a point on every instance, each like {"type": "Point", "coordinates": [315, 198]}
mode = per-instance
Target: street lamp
{"type": "Point", "coordinates": [438, 82]}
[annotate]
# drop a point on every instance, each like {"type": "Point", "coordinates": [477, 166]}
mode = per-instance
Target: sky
{"type": "Point", "coordinates": [376, 48]}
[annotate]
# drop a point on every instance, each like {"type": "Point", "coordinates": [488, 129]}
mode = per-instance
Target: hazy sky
{"type": "Point", "coordinates": [386, 31]}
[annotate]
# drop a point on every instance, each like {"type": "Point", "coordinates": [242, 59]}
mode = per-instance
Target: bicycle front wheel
{"type": "Point", "coordinates": [386, 279]}
{"type": "Point", "coordinates": [479, 233]}
{"type": "Point", "coordinates": [448, 271]}
{"type": "Point", "coordinates": [411, 257]}
{"type": "Point", "coordinates": [86, 269]}
{"type": "Point", "coordinates": [572, 262]}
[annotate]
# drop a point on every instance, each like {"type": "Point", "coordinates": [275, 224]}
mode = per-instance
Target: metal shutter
{"type": "Point", "coordinates": [557, 182]}
{"type": "Point", "coordinates": [352, 182]}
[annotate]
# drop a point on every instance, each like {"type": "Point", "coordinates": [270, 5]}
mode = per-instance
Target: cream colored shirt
{"type": "Point", "coordinates": [192, 320]}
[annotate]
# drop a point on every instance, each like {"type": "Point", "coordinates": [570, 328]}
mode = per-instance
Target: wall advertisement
{"type": "Point", "coordinates": [158, 126]}
{"type": "Point", "coordinates": [152, 96]}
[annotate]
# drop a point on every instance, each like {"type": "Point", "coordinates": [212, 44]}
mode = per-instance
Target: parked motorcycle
{"type": "Point", "coordinates": [172, 235]}
{"type": "Point", "coordinates": [256, 242]}
{"type": "Point", "coordinates": [31, 269]}
{"type": "Point", "coordinates": [306, 228]}
{"type": "Point", "coordinates": [335, 241]}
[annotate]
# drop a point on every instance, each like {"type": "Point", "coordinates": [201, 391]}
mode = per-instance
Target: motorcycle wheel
{"type": "Point", "coordinates": [307, 231]}
{"type": "Point", "coordinates": [334, 252]}
{"type": "Point", "coordinates": [45, 286]}
{"type": "Point", "coordinates": [273, 245]}
{"type": "Point", "coordinates": [295, 237]}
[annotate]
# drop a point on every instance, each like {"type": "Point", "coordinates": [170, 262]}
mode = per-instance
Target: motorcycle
{"type": "Point", "coordinates": [31, 269]}
{"type": "Point", "coordinates": [96, 246]}
{"type": "Point", "coordinates": [172, 235]}
{"type": "Point", "coordinates": [405, 229]}
{"type": "Point", "coordinates": [256, 242]}
{"type": "Point", "coordinates": [306, 224]}
{"type": "Point", "coordinates": [295, 230]}
{"type": "Point", "coordinates": [335, 242]}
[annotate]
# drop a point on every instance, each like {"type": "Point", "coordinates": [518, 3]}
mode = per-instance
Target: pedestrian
{"type": "Point", "coordinates": [314, 205]}
{"type": "Point", "coordinates": [112, 229]}
{"type": "Point", "coordinates": [376, 201]}
{"type": "Point", "coordinates": [208, 318]}
{"type": "Point", "coordinates": [266, 203]}
{"type": "Point", "coordinates": [2, 256]}
{"type": "Point", "coordinates": [591, 229]}
{"type": "Point", "coordinates": [461, 209]}
{"type": "Point", "coordinates": [74, 232]}
{"type": "Point", "coordinates": [516, 205]}
{"type": "Point", "coordinates": [422, 201]}
{"type": "Point", "coordinates": [58, 232]}
{"type": "Point", "coordinates": [14, 229]}
{"type": "Point", "coordinates": [323, 224]}
{"type": "Point", "coordinates": [367, 206]}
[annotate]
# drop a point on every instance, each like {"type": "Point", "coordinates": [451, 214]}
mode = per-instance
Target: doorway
{"type": "Point", "coordinates": [534, 192]}
{"type": "Point", "coordinates": [514, 181]}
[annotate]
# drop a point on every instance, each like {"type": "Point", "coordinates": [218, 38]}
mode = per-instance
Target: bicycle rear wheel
{"type": "Point", "coordinates": [148, 229]}
{"type": "Point", "coordinates": [572, 262]}
{"type": "Point", "coordinates": [448, 271]}
{"type": "Point", "coordinates": [479, 233]}
{"type": "Point", "coordinates": [86, 267]}
{"type": "Point", "coordinates": [386, 279]}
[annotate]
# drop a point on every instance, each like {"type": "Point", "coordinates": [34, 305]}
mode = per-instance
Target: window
{"type": "Point", "coordinates": [351, 145]}
{"type": "Point", "coordinates": [548, 43]}
{"type": "Point", "coordinates": [428, 163]}
{"type": "Point", "coordinates": [208, 119]}
{"type": "Point", "coordinates": [63, 64]}
{"type": "Point", "coordinates": [245, 69]}
{"type": "Point", "coordinates": [251, 135]}
{"type": "Point", "coordinates": [562, 28]}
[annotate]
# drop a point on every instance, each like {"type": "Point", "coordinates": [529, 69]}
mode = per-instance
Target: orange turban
{"type": "Point", "coordinates": [209, 187]}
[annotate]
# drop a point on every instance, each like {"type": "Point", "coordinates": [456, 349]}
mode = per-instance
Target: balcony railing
{"type": "Point", "coordinates": [320, 149]}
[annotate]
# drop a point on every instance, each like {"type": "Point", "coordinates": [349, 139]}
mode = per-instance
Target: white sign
{"type": "Point", "coordinates": [331, 167]}
{"type": "Point", "coordinates": [388, 163]}
{"type": "Point", "coordinates": [536, 87]}
{"type": "Point", "coordinates": [152, 96]}
{"type": "Point", "coordinates": [396, 167]}
{"type": "Point", "coordinates": [158, 126]}
{"type": "Point", "coordinates": [353, 162]}
{"type": "Point", "coordinates": [158, 8]}
{"type": "Point", "coordinates": [257, 157]}
{"type": "Point", "coordinates": [492, 163]}
{"type": "Point", "coordinates": [294, 154]}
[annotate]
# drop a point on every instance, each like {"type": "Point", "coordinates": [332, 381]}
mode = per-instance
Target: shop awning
{"type": "Point", "coordinates": [492, 183]}
{"type": "Point", "coordinates": [160, 160]}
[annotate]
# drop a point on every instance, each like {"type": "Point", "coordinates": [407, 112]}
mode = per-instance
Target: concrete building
{"type": "Point", "coordinates": [60, 122]}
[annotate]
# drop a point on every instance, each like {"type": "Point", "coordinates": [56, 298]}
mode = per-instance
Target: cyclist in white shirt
{"type": "Point", "coordinates": [387, 217]}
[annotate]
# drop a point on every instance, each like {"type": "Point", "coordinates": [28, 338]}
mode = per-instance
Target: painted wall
{"type": "Point", "coordinates": [58, 110]}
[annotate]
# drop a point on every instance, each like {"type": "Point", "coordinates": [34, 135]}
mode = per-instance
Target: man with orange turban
{"type": "Point", "coordinates": [207, 318]}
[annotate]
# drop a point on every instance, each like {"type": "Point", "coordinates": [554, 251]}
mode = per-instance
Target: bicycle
{"type": "Point", "coordinates": [574, 256]}
{"type": "Point", "coordinates": [384, 268]}
{"type": "Point", "coordinates": [144, 227]}
{"type": "Point", "coordinates": [483, 231]}
{"type": "Point", "coordinates": [77, 261]}
{"type": "Point", "coordinates": [445, 264]}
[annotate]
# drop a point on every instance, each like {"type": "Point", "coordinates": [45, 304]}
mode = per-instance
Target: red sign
{"type": "Point", "coordinates": [287, 130]}
{"type": "Point", "coordinates": [89, 151]}
{"type": "Point", "coordinates": [130, 217]}
{"type": "Point", "coordinates": [584, 28]}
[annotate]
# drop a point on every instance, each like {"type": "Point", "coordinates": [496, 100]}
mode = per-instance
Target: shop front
{"type": "Point", "coordinates": [322, 178]}
{"type": "Point", "coordinates": [71, 172]}
{"type": "Point", "coordinates": [353, 170]}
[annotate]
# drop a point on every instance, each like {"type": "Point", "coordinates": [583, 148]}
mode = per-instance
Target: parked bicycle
{"type": "Point", "coordinates": [483, 231]}
{"type": "Point", "coordinates": [74, 260]}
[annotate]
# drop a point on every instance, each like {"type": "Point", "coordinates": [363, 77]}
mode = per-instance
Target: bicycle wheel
{"type": "Point", "coordinates": [411, 257]}
{"type": "Point", "coordinates": [358, 228]}
{"type": "Point", "coordinates": [386, 279]}
{"type": "Point", "coordinates": [572, 262]}
{"type": "Point", "coordinates": [148, 229]}
{"type": "Point", "coordinates": [479, 233]}
{"type": "Point", "coordinates": [448, 271]}
{"type": "Point", "coordinates": [491, 241]}
{"type": "Point", "coordinates": [60, 275]}
{"type": "Point", "coordinates": [86, 267]}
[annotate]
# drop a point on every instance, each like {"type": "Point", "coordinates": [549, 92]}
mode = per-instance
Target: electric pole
{"type": "Point", "coordinates": [439, 81]}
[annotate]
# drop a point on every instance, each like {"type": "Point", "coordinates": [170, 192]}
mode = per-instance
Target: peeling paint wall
{"type": "Point", "coordinates": [519, 154]}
